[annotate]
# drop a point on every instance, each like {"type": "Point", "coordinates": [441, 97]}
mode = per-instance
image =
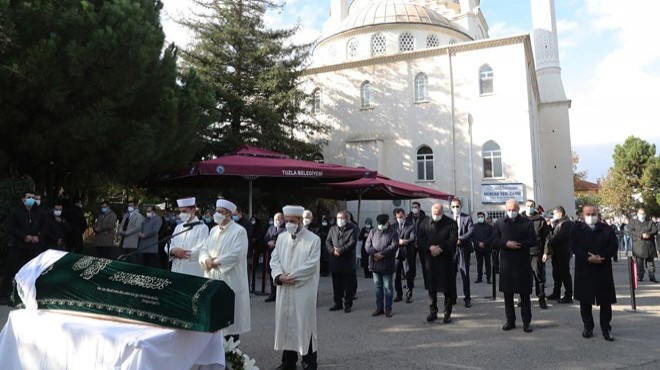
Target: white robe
{"type": "Point", "coordinates": [295, 306]}
{"type": "Point", "coordinates": [229, 246]}
{"type": "Point", "coordinates": [191, 241]}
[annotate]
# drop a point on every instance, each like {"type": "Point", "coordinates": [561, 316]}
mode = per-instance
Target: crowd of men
{"type": "Point", "coordinates": [221, 243]}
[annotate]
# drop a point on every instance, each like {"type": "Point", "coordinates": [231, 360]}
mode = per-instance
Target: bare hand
{"type": "Point", "coordinates": [595, 259]}
{"type": "Point", "coordinates": [58, 219]}
{"type": "Point", "coordinates": [402, 242]}
{"type": "Point", "coordinates": [645, 236]}
{"type": "Point", "coordinates": [378, 257]}
{"type": "Point", "coordinates": [287, 279]}
{"type": "Point", "coordinates": [481, 245]}
{"type": "Point", "coordinates": [513, 244]}
{"type": "Point", "coordinates": [271, 244]}
{"type": "Point", "coordinates": [35, 239]}
{"type": "Point", "coordinates": [27, 238]}
{"type": "Point", "coordinates": [336, 252]}
{"type": "Point", "coordinates": [210, 263]}
{"type": "Point", "coordinates": [544, 258]}
{"type": "Point", "coordinates": [180, 253]}
{"type": "Point", "coordinates": [459, 242]}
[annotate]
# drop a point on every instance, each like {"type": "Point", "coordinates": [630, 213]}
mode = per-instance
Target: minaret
{"type": "Point", "coordinates": [554, 177]}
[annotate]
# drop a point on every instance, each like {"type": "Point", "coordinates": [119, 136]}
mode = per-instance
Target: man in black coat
{"type": "Point", "coordinates": [643, 232]}
{"type": "Point", "coordinates": [437, 237]}
{"type": "Point", "coordinates": [416, 216]}
{"type": "Point", "coordinates": [482, 238]}
{"type": "Point", "coordinates": [542, 230]}
{"type": "Point", "coordinates": [362, 238]}
{"type": "Point", "coordinates": [270, 238]}
{"type": "Point", "coordinates": [404, 255]}
{"type": "Point", "coordinates": [558, 249]}
{"type": "Point", "coordinates": [464, 247]}
{"type": "Point", "coordinates": [513, 236]}
{"type": "Point", "coordinates": [594, 245]}
{"type": "Point", "coordinates": [340, 244]}
{"type": "Point", "coordinates": [57, 229]}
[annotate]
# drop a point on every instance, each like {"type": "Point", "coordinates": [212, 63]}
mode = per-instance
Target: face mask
{"type": "Point", "coordinates": [591, 220]}
{"type": "Point", "coordinates": [235, 217]}
{"type": "Point", "coordinates": [253, 222]}
{"type": "Point", "coordinates": [324, 223]}
{"type": "Point", "coordinates": [382, 227]}
{"type": "Point", "coordinates": [278, 224]}
{"type": "Point", "coordinates": [218, 218]}
{"type": "Point", "coordinates": [104, 210]}
{"type": "Point", "coordinates": [207, 219]}
{"type": "Point", "coordinates": [37, 202]}
{"type": "Point", "coordinates": [531, 210]}
{"type": "Point", "coordinates": [29, 202]}
{"type": "Point", "coordinates": [400, 220]}
{"type": "Point", "coordinates": [436, 218]}
{"type": "Point", "coordinates": [512, 214]}
{"type": "Point", "coordinates": [341, 222]}
{"type": "Point", "coordinates": [130, 209]}
{"type": "Point", "coordinates": [368, 226]}
{"type": "Point", "coordinates": [291, 227]}
{"type": "Point", "coordinates": [455, 210]}
{"type": "Point", "coordinates": [178, 221]}
{"type": "Point", "coordinates": [481, 220]}
{"type": "Point", "coordinates": [556, 217]}
{"type": "Point", "coordinates": [415, 211]}
{"type": "Point", "coordinates": [79, 205]}
{"type": "Point", "coordinates": [306, 221]}
{"type": "Point", "coordinates": [57, 213]}
{"type": "Point", "coordinates": [641, 217]}
{"type": "Point", "coordinates": [184, 217]}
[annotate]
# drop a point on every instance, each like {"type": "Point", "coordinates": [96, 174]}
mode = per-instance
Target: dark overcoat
{"type": "Point", "coordinates": [440, 269]}
{"type": "Point", "coordinates": [515, 270]}
{"type": "Point", "coordinates": [593, 282]}
{"type": "Point", "coordinates": [344, 238]}
{"type": "Point", "coordinates": [643, 248]}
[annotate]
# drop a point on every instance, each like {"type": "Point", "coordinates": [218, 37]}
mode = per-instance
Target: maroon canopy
{"type": "Point", "coordinates": [375, 188]}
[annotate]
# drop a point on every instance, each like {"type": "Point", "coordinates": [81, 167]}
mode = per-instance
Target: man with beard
{"type": "Point", "coordinates": [437, 236]}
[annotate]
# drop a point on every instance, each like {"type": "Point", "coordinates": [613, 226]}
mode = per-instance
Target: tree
{"type": "Point", "coordinates": [577, 175]}
{"type": "Point", "coordinates": [89, 94]}
{"type": "Point", "coordinates": [255, 73]}
{"type": "Point", "coordinates": [651, 187]}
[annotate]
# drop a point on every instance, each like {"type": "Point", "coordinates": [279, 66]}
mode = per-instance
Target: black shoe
{"type": "Point", "coordinates": [378, 312]}
{"type": "Point", "coordinates": [468, 304]}
{"type": "Point", "coordinates": [398, 298]}
{"type": "Point", "coordinates": [447, 319]}
{"type": "Point", "coordinates": [553, 296]}
{"type": "Point", "coordinates": [608, 337]}
{"type": "Point", "coordinates": [565, 299]}
{"type": "Point", "coordinates": [478, 281]}
{"type": "Point", "coordinates": [587, 333]}
{"type": "Point", "coordinates": [270, 299]}
{"type": "Point", "coordinates": [542, 303]}
{"type": "Point", "coordinates": [286, 367]}
{"type": "Point", "coordinates": [640, 279]}
{"type": "Point", "coordinates": [527, 328]}
{"type": "Point", "coordinates": [508, 326]}
{"type": "Point", "coordinates": [653, 280]}
{"type": "Point", "coordinates": [336, 307]}
{"type": "Point", "coordinates": [409, 299]}
{"type": "Point", "coordinates": [347, 309]}
{"type": "Point", "coordinates": [432, 317]}
{"type": "Point", "coordinates": [488, 281]}
{"type": "Point", "coordinates": [388, 313]}
{"type": "Point", "coordinates": [355, 297]}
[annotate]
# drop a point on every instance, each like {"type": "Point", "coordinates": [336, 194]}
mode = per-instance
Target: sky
{"type": "Point", "coordinates": [609, 56]}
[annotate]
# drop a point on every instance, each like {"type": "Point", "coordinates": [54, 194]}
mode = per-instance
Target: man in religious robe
{"type": "Point", "coordinates": [295, 270]}
{"type": "Point", "coordinates": [184, 248]}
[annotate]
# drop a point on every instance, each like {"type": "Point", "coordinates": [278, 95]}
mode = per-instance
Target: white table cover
{"type": "Point", "coordinates": [48, 340]}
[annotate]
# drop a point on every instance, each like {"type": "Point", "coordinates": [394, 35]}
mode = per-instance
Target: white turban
{"type": "Point", "coordinates": [224, 203]}
{"type": "Point", "coordinates": [295, 211]}
{"type": "Point", "coordinates": [186, 202]}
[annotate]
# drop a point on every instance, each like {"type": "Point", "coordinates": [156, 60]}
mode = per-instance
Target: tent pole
{"type": "Point", "coordinates": [359, 206]}
{"type": "Point", "coordinates": [250, 198]}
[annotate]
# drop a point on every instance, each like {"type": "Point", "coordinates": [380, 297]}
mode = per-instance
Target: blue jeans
{"type": "Point", "coordinates": [383, 285]}
{"type": "Point", "coordinates": [627, 244]}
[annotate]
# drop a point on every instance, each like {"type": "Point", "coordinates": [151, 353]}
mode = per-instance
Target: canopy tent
{"type": "Point", "coordinates": [249, 164]}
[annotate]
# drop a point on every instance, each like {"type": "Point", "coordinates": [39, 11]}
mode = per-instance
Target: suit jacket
{"type": "Point", "coordinates": [131, 239]}
{"type": "Point", "coordinates": [150, 228]}
{"type": "Point", "coordinates": [465, 228]}
{"type": "Point", "coordinates": [345, 239]}
{"type": "Point", "coordinates": [594, 283]}
{"type": "Point", "coordinates": [104, 230]}
{"type": "Point", "coordinates": [407, 232]}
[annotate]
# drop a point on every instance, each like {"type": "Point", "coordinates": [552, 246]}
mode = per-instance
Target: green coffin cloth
{"type": "Point", "coordinates": [106, 287]}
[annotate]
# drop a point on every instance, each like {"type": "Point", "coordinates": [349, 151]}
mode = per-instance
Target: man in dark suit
{"type": "Point", "coordinates": [594, 245]}
{"type": "Point", "coordinates": [416, 216]}
{"type": "Point", "coordinates": [514, 235]}
{"type": "Point", "coordinates": [437, 236]}
{"type": "Point", "coordinates": [482, 238]}
{"type": "Point", "coordinates": [340, 245]}
{"type": "Point", "coordinates": [269, 239]}
{"type": "Point", "coordinates": [464, 247]}
{"type": "Point", "coordinates": [542, 230]}
{"type": "Point", "coordinates": [404, 255]}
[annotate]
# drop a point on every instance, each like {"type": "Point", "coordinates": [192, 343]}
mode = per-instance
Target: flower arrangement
{"type": "Point", "coordinates": [235, 359]}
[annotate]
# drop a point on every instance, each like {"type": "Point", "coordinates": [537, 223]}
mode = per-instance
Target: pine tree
{"type": "Point", "coordinates": [255, 73]}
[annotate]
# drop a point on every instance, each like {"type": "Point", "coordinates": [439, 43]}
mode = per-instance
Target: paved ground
{"type": "Point", "coordinates": [474, 340]}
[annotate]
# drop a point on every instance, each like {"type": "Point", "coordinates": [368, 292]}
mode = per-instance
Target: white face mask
{"type": "Point", "coordinates": [324, 223]}
{"type": "Point", "coordinates": [481, 220]}
{"type": "Point", "coordinates": [436, 218]}
{"type": "Point", "coordinates": [512, 214]}
{"type": "Point", "coordinates": [341, 222]}
{"type": "Point", "coordinates": [415, 211]}
{"type": "Point", "coordinates": [291, 227]}
{"type": "Point", "coordinates": [400, 220]}
{"type": "Point", "coordinates": [218, 218]}
{"type": "Point", "coordinates": [306, 221]}
{"type": "Point", "coordinates": [150, 214]}
{"type": "Point", "coordinates": [184, 217]}
{"type": "Point", "coordinates": [641, 217]}
{"type": "Point", "coordinates": [591, 220]}
{"type": "Point", "coordinates": [382, 227]}
{"type": "Point", "coordinates": [277, 223]}
{"type": "Point", "coordinates": [455, 211]}
{"type": "Point", "coordinates": [531, 210]}
{"type": "Point", "coordinates": [131, 209]}
{"type": "Point", "coordinates": [556, 216]}
{"type": "Point", "coordinates": [57, 213]}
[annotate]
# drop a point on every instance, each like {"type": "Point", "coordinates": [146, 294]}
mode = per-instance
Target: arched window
{"type": "Point", "coordinates": [424, 163]}
{"type": "Point", "coordinates": [318, 158]}
{"type": "Point", "coordinates": [316, 107]}
{"type": "Point", "coordinates": [366, 96]}
{"type": "Point", "coordinates": [378, 45]}
{"type": "Point", "coordinates": [492, 155]}
{"type": "Point", "coordinates": [352, 49]}
{"type": "Point", "coordinates": [406, 42]}
{"type": "Point", "coordinates": [485, 80]}
{"type": "Point", "coordinates": [421, 87]}
{"type": "Point", "coordinates": [432, 41]}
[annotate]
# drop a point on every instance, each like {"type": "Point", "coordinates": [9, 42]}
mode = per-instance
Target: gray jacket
{"type": "Point", "coordinates": [130, 240]}
{"type": "Point", "coordinates": [104, 230]}
{"type": "Point", "coordinates": [150, 228]}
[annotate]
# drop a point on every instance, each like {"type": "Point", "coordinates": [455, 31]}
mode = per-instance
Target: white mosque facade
{"type": "Point", "coordinates": [416, 90]}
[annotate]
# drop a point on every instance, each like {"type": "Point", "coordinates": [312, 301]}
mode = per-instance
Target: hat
{"type": "Point", "coordinates": [186, 202]}
{"type": "Point", "coordinates": [295, 211]}
{"type": "Point", "coordinates": [224, 203]}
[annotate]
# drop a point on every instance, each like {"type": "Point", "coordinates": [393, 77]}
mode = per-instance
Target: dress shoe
{"type": "Point", "coordinates": [336, 307]}
{"type": "Point", "coordinates": [553, 296]}
{"type": "Point", "coordinates": [587, 333]}
{"type": "Point", "coordinates": [270, 299]}
{"type": "Point", "coordinates": [488, 281]}
{"type": "Point", "coordinates": [388, 313]}
{"type": "Point", "coordinates": [397, 298]}
{"type": "Point", "coordinates": [409, 299]}
{"type": "Point", "coordinates": [348, 309]}
{"type": "Point", "coordinates": [608, 337]}
{"type": "Point", "coordinates": [378, 312]}
{"type": "Point", "coordinates": [527, 328]}
{"type": "Point", "coordinates": [653, 280]}
{"type": "Point", "coordinates": [508, 326]}
{"type": "Point", "coordinates": [478, 281]}
{"type": "Point", "coordinates": [286, 367]}
{"type": "Point", "coordinates": [446, 319]}
{"type": "Point", "coordinates": [432, 317]}
{"type": "Point", "coordinates": [565, 299]}
{"type": "Point", "coordinates": [468, 304]}
{"type": "Point", "coordinates": [542, 303]}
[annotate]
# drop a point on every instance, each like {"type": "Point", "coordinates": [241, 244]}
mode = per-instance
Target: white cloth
{"type": "Point", "coordinates": [295, 211]}
{"type": "Point", "coordinates": [50, 340]}
{"type": "Point", "coordinates": [186, 202]}
{"type": "Point", "coordinates": [224, 203]}
{"type": "Point", "coordinates": [192, 241]}
{"type": "Point", "coordinates": [228, 245]}
{"type": "Point", "coordinates": [295, 306]}
{"type": "Point", "coordinates": [30, 272]}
